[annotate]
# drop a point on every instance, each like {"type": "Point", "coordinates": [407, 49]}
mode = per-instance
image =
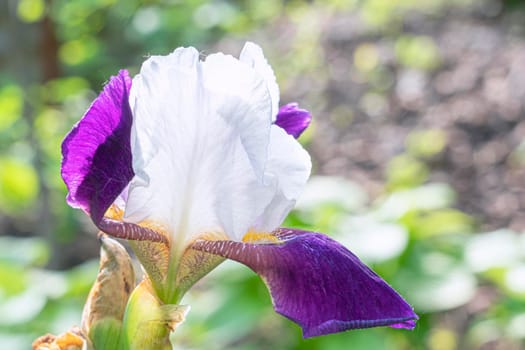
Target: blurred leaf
{"type": "Point", "coordinates": [15, 341]}
{"type": "Point", "coordinates": [515, 279]}
{"type": "Point", "coordinates": [49, 126]}
{"type": "Point", "coordinates": [21, 308]}
{"type": "Point", "coordinates": [426, 143]}
{"type": "Point", "coordinates": [147, 20]}
{"type": "Point", "coordinates": [417, 52]}
{"type": "Point", "coordinates": [322, 190]}
{"type": "Point", "coordinates": [31, 10]}
{"type": "Point", "coordinates": [11, 105]}
{"type": "Point", "coordinates": [213, 14]}
{"type": "Point", "coordinates": [428, 197]}
{"type": "Point", "coordinates": [360, 340]}
{"type": "Point", "coordinates": [442, 290]}
{"type": "Point", "coordinates": [516, 326]}
{"type": "Point", "coordinates": [13, 278]}
{"type": "Point", "coordinates": [324, 202]}
{"type": "Point", "coordinates": [59, 90]}
{"type": "Point", "coordinates": [371, 240]}
{"type": "Point", "coordinates": [18, 184]}
{"type": "Point", "coordinates": [78, 51]}
{"type": "Point", "coordinates": [438, 222]}
{"type": "Point", "coordinates": [80, 279]}
{"type": "Point", "coordinates": [242, 301]}
{"type": "Point", "coordinates": [52, 284]}
{"type": "Point", "coordinates": [24, 251]}
{"type": "Point", "coordinates": [404, 171]}
{"type": "Point", "coordinates": [379, 12]}
{"type": "Point", "coordinates": [501, 248]}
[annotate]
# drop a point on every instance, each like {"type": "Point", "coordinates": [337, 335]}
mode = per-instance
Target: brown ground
{"type": "Point", "coordinates": [476, 96]}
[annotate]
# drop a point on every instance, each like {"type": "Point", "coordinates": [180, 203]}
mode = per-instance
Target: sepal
{"type": "Point", "coordinates": [106, 303]}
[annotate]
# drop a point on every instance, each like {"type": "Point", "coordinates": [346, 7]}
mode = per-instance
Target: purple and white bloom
{"type": "Point", "coordinates": [192, 161]}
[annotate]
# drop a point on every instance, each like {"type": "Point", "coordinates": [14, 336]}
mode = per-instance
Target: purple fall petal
{"type": "Point", "coordinates": [96, 163]}
{"type": "Point", "coordinates": [318, 283]}
{"type": "Point", "coordinates": [293, 119]}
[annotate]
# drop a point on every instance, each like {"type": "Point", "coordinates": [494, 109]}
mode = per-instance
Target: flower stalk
{"type": "Point", "coordinates": [148, 322]}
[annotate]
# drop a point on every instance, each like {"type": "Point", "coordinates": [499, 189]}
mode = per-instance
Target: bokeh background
{"type": "Point", "coordinates": [418, 145]}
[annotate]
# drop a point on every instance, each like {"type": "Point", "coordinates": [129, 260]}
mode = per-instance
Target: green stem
{"type": "Point", "coordinates": [148, 322]}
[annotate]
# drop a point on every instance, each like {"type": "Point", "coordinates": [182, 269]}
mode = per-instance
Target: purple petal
{"type": "Point", "coordinates": [96, 163]}
{"type": "Point", "coordinates": [318, 283]}
{"type": "Point", "coordinates": [293, 119]}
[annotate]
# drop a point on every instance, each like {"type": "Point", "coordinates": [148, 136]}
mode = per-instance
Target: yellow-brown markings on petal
{"type": "Point", "coordinates": [155, 227]}
{"type": "Point", "coordinates": [195, 264]}
{"type": "Point", "coordinates": [260, 237]}
{"type": "Point", "coordinates": [154, 256]}
{"type": "Point", "coordinates": [114, 213]}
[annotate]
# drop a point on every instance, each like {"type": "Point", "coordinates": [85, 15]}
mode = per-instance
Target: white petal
{"type": "Point", "coordinates": [289, 167]}
{"type": "Point", "coordinates": [199, 142]}
{"type": "Point", "coordinates": [252, 54]}
{"type": "Point", "coordinates": [242, 101]}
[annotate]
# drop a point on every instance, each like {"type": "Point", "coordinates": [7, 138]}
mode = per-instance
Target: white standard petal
{"type": "Point", "coordinates": [253, 55]}
{"type": "Point", "coordinates": [288, 168]}
{"type": "Point", "coordinates": [199, 142]}
{"type": "Point", "coordinates": [242, 99]}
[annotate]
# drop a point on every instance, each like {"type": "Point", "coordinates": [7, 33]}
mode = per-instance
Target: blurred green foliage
{"type": "Point", "coordinates": [413, 235]}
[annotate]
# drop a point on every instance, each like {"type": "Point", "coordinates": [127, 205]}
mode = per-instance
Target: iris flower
{"type": "Point", "coordinates": [192, 161]}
